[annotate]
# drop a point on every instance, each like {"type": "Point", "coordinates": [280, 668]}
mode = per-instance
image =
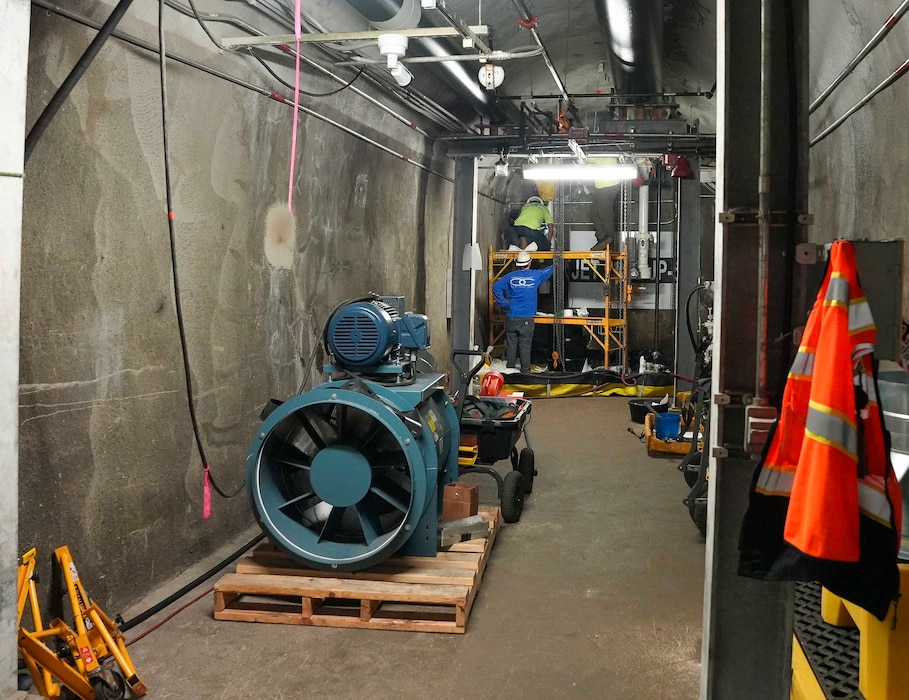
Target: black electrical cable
{"type": "Point", "coordinates": [204, 26]}
{"type": "Point", "coordinates": [303, 92]}
{"type": "Point", "coordinates": [694, 343]}
{"type": "Point", "coordinates": [190, 399]}
{"type": "Point", "coordinates": [158, 607]}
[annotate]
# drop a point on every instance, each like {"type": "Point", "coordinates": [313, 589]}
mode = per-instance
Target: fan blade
{"type": "Point", "coordinates": [332, 522]}
{"type": "Point", "coordinates": [297, 464]}
{"type": "Point", "coordinates": [295, 500]}
{"type": "Point", "coordinates": [388, 459]}
{"type": "Point", "coordinates": [310, 430]}
{"type": "Point", "coordinates": [371, 435]}
{"type": "Point", "coordinates": [369, 519]}
{"type": "Point", "coordinates": [393, 494]}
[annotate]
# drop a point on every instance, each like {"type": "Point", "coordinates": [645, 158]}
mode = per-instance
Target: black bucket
{"type": "Point", "coordinates": [639, 408]}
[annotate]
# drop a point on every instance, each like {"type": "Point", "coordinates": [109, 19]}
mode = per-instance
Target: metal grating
{"type": "Point", "coordinates": [833, 652]}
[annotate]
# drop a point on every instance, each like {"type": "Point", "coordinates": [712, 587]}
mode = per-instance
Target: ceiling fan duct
{"type": "Point", "coordinates": [633, 30]}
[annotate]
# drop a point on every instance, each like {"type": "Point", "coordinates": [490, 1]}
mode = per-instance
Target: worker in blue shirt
{"type": "Point", "coordinates": [516, 293]}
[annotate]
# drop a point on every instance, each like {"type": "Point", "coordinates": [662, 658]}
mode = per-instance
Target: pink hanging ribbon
{"type": "Point", "coordinates": [206, 495]}
{"type": "Point", "coordinates": [298, 30]}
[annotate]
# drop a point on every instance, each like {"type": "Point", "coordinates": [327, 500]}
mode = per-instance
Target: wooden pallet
{"type": "Point", "coordinates": [415, 594]}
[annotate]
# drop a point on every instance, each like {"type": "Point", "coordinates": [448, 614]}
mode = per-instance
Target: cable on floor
{"type": "Point", "coordinates": [171, 616]}
{"type": "Point", "coordinates": [209, 481]}
{"type": "Point", "coordinates": [158, 607]}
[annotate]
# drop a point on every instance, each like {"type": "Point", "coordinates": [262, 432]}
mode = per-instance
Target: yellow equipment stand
{"type": "Point", "coordinates": [95, 639]}
{"type": "Point", "coordinates": [883, 646]}
{"type": "Point", "coordinates": [883, 650]}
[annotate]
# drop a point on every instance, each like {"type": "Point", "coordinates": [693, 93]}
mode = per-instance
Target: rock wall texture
{"type": "Point", "coordinates": [858, 173]}
{"type": "Point", "coordinates": [108, 462]}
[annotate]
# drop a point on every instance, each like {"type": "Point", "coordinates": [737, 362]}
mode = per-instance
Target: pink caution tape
{"type": "Point", "coordinates": [206, 494]}
{"type": "Point", "coordinates": [298, 30]}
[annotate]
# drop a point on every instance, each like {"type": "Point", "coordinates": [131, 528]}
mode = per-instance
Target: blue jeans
{"type": "Point", "coordinates": [530, 235]}
{"type": "Point", "coordinates": [518, 338]}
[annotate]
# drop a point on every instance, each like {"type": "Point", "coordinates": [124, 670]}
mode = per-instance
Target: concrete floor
{"type": "Point", "coordinates": [596, 593]}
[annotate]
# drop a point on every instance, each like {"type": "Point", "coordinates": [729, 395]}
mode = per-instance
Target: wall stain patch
{"type": "Point", "coordinates": [280, 236]}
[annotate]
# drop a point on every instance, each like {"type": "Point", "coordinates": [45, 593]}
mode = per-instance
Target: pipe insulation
{"type": "Point", "coordinates": [633, 30]}
{"type": "Point", "coordinates": [643, 237]}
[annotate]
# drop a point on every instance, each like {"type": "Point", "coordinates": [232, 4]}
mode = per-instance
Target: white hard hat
{"type": "Point", "coordinates": [534, 199]}
{"type": "Point", "coordinates": [522, 259]}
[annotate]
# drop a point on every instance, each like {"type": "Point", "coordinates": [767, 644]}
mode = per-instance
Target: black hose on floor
{"type": "Point", "coordinates": [158, 607]}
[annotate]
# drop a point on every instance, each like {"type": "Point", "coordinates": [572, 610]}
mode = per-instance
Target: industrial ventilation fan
{"type": "Point", "coordinates": [347, 474]}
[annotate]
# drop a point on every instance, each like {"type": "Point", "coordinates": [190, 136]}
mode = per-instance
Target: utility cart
{"type": "Point", "coordinates": [490, 429]}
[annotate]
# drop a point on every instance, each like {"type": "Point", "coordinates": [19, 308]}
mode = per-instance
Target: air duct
{"type": "Point", "coordinates": [634, 34]}
{"type": "Point", "coordinates": [389, 15]}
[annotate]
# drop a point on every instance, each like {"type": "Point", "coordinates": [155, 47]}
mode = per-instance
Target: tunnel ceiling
{"type": "Point", "coordinates": [572, 36]}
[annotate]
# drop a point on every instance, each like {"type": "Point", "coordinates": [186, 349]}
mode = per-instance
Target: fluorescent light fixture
{"type": "Point", "coordinates": [580, 172]}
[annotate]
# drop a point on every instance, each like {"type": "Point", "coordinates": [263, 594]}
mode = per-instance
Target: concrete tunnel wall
{"type": "Point", "coordinates": [859, 175]}
{"type": "Point", "coordinates": [108, 463]}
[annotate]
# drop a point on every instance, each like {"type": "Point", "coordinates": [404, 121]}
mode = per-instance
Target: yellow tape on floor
{"type": "Point", "coordinates": [565, 390]}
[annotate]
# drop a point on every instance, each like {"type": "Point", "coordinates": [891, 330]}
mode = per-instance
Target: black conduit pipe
{"type": "Point", "coordinates": [47, 116]}
{"type": "Point", "coordinates": [158, 607]}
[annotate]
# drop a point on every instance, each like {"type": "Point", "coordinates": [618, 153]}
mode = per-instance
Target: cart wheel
{"type": "Point", "coordinates": [514, 457]}
{"type": "Point", "coordinates": [698, 511]}
{"type": "Point", "coordinates": [512, 497]}
{"type": "Point", "coordinates": [525, 466]}
{"type": "Point", "coordinates": [109, 685]}
{"type": "Point", "coordinates": [691, 474]}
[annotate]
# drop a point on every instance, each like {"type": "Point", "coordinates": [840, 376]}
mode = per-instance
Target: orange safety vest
{"type": "Point", "coordinates": [826, 504]}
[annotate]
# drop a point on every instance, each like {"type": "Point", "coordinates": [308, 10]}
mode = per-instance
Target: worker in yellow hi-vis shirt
{"type": "Point", "coordinates": [532, 229]}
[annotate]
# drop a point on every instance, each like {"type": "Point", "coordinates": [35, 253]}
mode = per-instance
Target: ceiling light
{"type": "Point", "coordinates": [401, 75]}
{"type": "Point", "coordinates": [491, 76]}
{"type": "Point", "coordinates": [502, 168]}
{"type": "Point", "coordinates": [580, 172]}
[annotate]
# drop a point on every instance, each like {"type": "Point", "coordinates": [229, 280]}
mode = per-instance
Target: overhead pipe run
{"type": "Point", "coordinates": [860, 56]}
{"type": "Point", "coordinates": [529, 22]}
{"type": "Point", "coordinates": [634, 34]}
{"type": "Point", "coordinates": [429, 110]}
{"type": "Point", "coordinates": [139, 43]}
{"type": "Point", "coordinates": [390, 15]}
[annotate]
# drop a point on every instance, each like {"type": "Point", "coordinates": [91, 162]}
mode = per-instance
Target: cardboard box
{"type": "Point", "coordinates": [460, 500]}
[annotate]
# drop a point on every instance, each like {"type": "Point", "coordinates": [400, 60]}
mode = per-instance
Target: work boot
{"type": "Point", "coordinates": [513, 248]}
{"type": "Point", "coordinates": [532, 246]}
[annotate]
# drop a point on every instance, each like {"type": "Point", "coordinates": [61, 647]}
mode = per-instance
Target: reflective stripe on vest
{"type": "Point", "coordinates": [813, 457]}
